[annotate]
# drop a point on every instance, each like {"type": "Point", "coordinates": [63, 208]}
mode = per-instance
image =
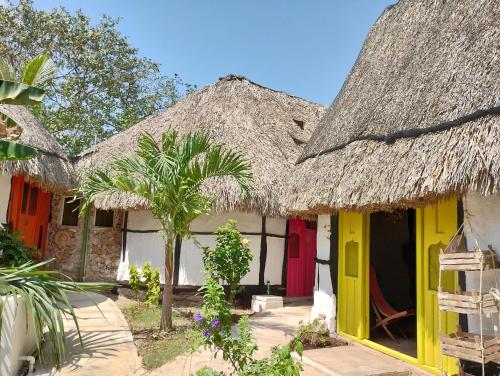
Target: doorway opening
{"type": "Point", "coordinates": [392, 280]}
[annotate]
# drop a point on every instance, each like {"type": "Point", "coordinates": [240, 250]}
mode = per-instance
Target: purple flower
{"type": "Point", "coordinates": [198, 317]}
{"type": "Point", "coordinates": [206, 333]}
{"type": "Point", "coordinates": [215, 323]}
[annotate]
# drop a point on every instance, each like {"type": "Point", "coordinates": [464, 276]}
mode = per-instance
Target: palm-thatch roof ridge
{"type": "Point", "coordinates": [51, 167]}
{"type": "Point", "coordinates": [418, 117]}
{"type": "Point", "coordinates": [268, 127]}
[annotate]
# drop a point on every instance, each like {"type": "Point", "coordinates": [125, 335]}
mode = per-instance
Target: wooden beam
{"type": "Point", "coordinates": [284, 267]}
{"type": "Point", "coordinates": [177, 260]}
{"type": "Point", "coordinates": [263, 253]}
{"type": "Point", "coordinates": [334, 252]}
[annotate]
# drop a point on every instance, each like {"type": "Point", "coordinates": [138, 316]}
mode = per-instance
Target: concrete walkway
{"type": "Point", "coordinates": [271, 328]}
{"type": "Point", "coordinates": [109, 347]}
{"type": "Point", "coordinates": [108, 344]}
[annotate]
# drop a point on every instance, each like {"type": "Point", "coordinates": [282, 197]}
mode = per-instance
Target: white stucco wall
{"type": "Point", "coordinates": [4, 196]}
{"type": "Point", "coordinates": [17, 337]}
{"type": "Point", "coordinates": [324, 301]}
{"type": "Point", "coordinates": [149, 246]}
{"type": "Point", "coordinates": [482, 224]}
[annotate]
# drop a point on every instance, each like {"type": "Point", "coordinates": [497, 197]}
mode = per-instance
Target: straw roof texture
{"type": "Point", "coordinates": [51, 167]}
{"type": "Point", "coordinates": [418, 117]}
{"type": "Point", "coordinates": [268, 127]}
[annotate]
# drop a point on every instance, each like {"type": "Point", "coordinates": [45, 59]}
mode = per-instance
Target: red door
{"type": "Point", "coordinates": [301, 254]}
{"type": "Point", "coordinates": [29, 212]}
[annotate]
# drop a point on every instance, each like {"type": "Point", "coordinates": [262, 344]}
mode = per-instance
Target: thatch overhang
{"type": "Point", "coordinates": [51, 168]}
{"type": "Point", "coordinates": [417, 119]}
{"type": "Point", "coordinates": [268, 127]}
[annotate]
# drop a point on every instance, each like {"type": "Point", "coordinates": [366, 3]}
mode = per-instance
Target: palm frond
{"type": "Point", "coordinates": [45, 296]}
{"type": "Point", "coordinates": [39, 71]}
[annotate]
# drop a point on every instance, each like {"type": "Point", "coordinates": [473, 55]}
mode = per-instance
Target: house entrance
{"type": "Point", "coordinates": [387, 287]}
{"type": "Point", "coordinates": [301, 257]}
{"type": "Point", "coordinates": [392, 280]}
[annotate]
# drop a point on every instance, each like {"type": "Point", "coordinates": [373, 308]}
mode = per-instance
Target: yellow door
{"type": "Point", "coordinates": [353, 274]}
{"type": "Point", "coordinates": [436, 225]}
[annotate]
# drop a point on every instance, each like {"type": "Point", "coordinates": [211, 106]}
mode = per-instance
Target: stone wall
{"type": "Point", "coordinates": [63, 242]}
{"type": "Point", "coordinates": [103, 248]}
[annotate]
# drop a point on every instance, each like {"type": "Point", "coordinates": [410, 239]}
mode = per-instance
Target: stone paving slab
{"type": "Point", "coordinates": [359, 360]}
{"type": "Point", "coordinates": [108, 344]}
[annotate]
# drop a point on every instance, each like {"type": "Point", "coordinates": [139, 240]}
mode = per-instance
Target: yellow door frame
{"type": "Point", "coordinates": [436, 224]}
{"type": "Point", "coordinates": [347, 233]}
{"type": "Point", "coordinates": [354, 232]}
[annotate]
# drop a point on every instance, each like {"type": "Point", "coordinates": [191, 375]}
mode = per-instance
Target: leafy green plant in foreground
{"type": "Point", "coordinates": [230, 260]}
{"type": "Point", "coordinates": [45, 296]}
{"type": "Point", "coordinates": [214, 321]}
{"type": "Point", "coordinates": [314, 333]}
{"type": "Point", "coordinates": [152, 281]}
{"type": "Point", "coordinates": [134, 279]}
{"type": "Point", "coordinates": [12, 249]}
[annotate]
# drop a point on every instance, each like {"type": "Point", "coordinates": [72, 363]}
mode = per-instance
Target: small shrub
{"type": "Point", "coordinates": [205, 371]}
{"type": "Point", "coordinates": [314, 334]}
{"type": "Point", "coordinates": [230, 259]}
{"type": "Point", "coordinates": [215, 323]}
{"type": "Point", "coordinates": [12, 249]}
{"type": "Point", "coordinates": [134, 279]}
{"type": "Point", "coordinates": [152, 282]}
{"type": "Point", "coordinates": [279, 363]}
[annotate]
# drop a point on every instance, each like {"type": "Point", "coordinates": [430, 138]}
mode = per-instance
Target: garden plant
{"type": "Point", "coordinates": [230, 260]}
{"type": "Point", "coordinates": [169, 174]}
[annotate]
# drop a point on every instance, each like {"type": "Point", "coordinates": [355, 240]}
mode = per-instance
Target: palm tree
{"type": "Point", "coordinates": [27, 90]}
{"type": "Point", "coordinates": [170, 175]}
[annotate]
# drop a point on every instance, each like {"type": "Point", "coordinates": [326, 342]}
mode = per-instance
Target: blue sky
{"type": "Point", "coordinates": [303, 47]}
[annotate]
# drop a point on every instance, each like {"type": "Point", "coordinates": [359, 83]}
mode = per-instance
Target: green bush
{"type": "Point", "coordinates": [12, 249]}
{"type": "Point", "coordinates": [230, 260]}
{"type": "Point", "coordinates": [314, 333]}
{"type": "Point", "coordinates": [152, 282]}
{"type": "Point", "coordinates": [134, 279]}
{"type": "Point", "coordinates": [205, 371]}
{"type": "Point", "coordinates": [279, 363]}
{"type": "Point", "coordinates": [214, 321]}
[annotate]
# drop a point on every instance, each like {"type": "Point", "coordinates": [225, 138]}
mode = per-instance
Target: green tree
{"type": "Point", "coordinates": [27, 90]}
{"type": "Point", "coordinates": [230, 259]}
{"type": "Point", "coordinates": [169, 175]}
{"type": "Point", "coordinates": [103, 85]}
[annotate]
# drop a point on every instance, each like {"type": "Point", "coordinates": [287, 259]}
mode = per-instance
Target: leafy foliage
{"type": "Point", "coordinates": [27, 90]}
{"type": "Point", "coordinates": [314, 333]}
{"type": "Point", "coordinates": [12, 249]}
{"type": "Point", "coordinates": [152, 281]}
{"type": "Point", "coordinates": [279, 363]}
{"type": "Point", "coordinates": [103, 87]}
{"type": "Point", "coordinates": [230, 259]}
{"type": "Point", "coordinates": [169, 175]}
{"type": "Point", "coordinates": [45, 296]}
{"type": "Point", "coordinates": [215, 323]}
{"type": "Point", "coordinates": [134, 279]}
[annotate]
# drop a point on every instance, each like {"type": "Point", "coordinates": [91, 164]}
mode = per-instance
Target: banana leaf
{"type": "Point", "coordinates": [12, 151]}
{"type": "Point", "coordinates": [19, 94]}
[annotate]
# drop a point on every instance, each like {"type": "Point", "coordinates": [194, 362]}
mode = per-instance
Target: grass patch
{"type": "Point", "coordinates": [157, 348]}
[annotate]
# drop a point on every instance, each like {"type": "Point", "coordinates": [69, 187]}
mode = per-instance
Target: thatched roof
{"type": "Point", "coordinates": [51, 167]}
{"type": "Point", "coordinates": [269, 127]}
{"type": "Point", "coordinates": [418, 117]}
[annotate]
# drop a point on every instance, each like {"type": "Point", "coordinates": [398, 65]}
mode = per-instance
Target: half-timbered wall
{"type": "Point", "coordinates": [143, 243]}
